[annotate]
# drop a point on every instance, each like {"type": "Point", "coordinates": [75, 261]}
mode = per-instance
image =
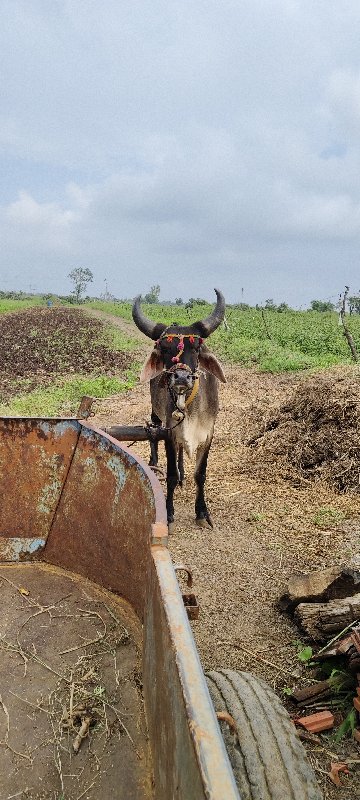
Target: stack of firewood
{"type": "Point", "coordinates": [326, 605]}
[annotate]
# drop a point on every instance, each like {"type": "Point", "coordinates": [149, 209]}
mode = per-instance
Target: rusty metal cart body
{"type": "Point", "coordinates": [73, 497]}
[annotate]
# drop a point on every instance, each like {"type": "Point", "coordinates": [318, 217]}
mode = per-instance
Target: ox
{"type": "Point", "coordinates": [183, 376]}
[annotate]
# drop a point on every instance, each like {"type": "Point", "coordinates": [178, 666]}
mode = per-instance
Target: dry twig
{"type": "Point", "coordinates": [82, 734]}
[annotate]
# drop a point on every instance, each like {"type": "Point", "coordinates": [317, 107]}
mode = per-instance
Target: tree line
{"type": "Point", "coordinates": [82, 276]}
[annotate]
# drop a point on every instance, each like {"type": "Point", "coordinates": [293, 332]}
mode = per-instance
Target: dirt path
{"type": "Point", "coordinates": [126, 327]}
{"type": "Point", "coordinates": [264, 531]}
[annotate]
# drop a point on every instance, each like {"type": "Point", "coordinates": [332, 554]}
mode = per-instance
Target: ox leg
{"type": "Point", "coordinates": [201, 511]}
{"type": "Point", "coordinates": [154, 446]}
{"type": "Point", "coordinates": [172, 478]}
{"type": "Point", "coordinates": [181, 465]}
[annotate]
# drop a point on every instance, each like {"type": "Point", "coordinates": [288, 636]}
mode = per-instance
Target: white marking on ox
{"type": "Point", "coordinates": [190, 434]}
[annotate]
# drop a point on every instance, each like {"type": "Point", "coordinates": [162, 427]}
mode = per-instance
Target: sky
{"type": "Point", "coordinates": [187, 143]}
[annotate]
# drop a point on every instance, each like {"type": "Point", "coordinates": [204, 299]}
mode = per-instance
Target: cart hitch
{"type": "Point", "coordinates": [189, 600]}
{"type": "Point", "coordinates": [138, 433]}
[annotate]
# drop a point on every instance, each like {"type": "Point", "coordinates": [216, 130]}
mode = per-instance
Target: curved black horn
{"type": "Point", "coordinates": [151, 329]}
{"type": "Point", "coordinates": [209, 325]}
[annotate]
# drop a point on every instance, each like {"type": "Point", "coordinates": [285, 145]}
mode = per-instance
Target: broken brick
{"type": "Point", "coordinates": [315, 723]}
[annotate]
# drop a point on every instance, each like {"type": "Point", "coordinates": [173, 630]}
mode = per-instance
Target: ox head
{"type": "Point", "coordinates": [180, 350]}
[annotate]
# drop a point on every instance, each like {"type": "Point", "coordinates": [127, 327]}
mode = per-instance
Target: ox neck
{"type": "Point", "coordinates": [194, 392]}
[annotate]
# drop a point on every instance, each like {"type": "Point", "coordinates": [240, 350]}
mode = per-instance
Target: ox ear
{"type": "Point", "coordinates": [153, 366]}
{"type": "Point", "coordinates": [208, 362]}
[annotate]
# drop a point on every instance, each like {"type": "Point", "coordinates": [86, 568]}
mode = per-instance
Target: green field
{"type": "Point", "coordinates": [63, 396]}
{"type": "Point", "coordinates": [19, 305]}
{"type": "Point", "coordinates": [272, 341]}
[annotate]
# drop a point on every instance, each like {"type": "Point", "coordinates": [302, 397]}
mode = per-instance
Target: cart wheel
{"type": "Point", "coordinates": [268, 760]}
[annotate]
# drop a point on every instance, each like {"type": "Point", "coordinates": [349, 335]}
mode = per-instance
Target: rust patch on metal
{"type": "Point", "coordinates": [103, 525]}
{"type": "Point", "coordinates": [34, 459]}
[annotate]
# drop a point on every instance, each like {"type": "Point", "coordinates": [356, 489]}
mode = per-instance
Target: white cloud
{"type": "Point", "coordinates": [180, 143]}
{"type": "Point", "coordinates": [28, 213]}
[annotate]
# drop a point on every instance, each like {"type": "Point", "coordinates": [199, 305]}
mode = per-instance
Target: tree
{"type": "Point", "coordinates": [322, 305]}
{"type": "Point", "coordinates": [195, 301]}
{"type": "Point", "coordinates": [179, 301]}
{"type": "Point", "coordinates": [354, 304]}
{"type": "Point", "coordinates": [80, 276]}
{"type": "Point", "coordinates": [153, 295]}
{"type": "Point", "coordinates": [270, 305]}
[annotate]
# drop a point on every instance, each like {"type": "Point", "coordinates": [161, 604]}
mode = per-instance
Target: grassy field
{"type": "Point", "coordinates": [273, 341]}
{"type": "Point", "coordinates": [64, 395]}
{"type": "Point", "coordinates": [19, 305]}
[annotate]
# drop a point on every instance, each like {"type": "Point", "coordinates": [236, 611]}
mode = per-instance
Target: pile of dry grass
{"type": "Point", "coordinates": [316, 435]}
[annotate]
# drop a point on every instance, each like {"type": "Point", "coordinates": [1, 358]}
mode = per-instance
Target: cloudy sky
{"type": "Point", "coordinates": [186, 143]}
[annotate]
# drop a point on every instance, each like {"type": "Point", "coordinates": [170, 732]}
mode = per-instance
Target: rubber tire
{"type": "Point", "coordinates": [268, 760]}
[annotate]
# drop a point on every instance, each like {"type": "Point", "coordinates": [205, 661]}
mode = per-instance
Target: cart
{"type": "Point", "coordinates": [102, 693]}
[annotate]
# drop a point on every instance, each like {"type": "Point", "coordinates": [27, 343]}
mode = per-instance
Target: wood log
{"type": "Point", "coordinates": [315, 587]}
{"type": "Point", "coordinates": [309, 694]}
{"type": "Point", "coordinates": [322, 621]}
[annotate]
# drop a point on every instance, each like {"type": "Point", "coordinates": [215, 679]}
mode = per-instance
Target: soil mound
{"type": "Point", "coordinates": [316, 434]}
{"type": "Point", "coordinates": [43, 342]}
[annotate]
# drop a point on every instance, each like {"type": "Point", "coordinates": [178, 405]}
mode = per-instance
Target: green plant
{"type": "Point", "coordinates": [347, 726]}
{"type": "Point", "coordinates": [256, 516]}
{"type": "Point", "coordinates": [304, 652]}
{"type": "Point", "coordinates": [99, 691]}
{"type": "Point", "coordinates": [305, 655]}
{"type": "Point", "coordinates": [328, 517]}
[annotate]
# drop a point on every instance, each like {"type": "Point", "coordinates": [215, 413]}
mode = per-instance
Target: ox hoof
{"type": "Point", "coordinates": [203, 522]}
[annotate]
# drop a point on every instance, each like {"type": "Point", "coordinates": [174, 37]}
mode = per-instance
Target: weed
{"type": "Point", "coordinates": [99, 691]}
{"type": "Point", "coordinates": [328, 517]}
{"type": "Point", "coordinates": [287, 691]}
{"type": "Point", "coordinates": [304, 652]}
{"type": "Point", "coordinates": [347, 726]}
{"type": "Point", "coordinates": [255, 516]}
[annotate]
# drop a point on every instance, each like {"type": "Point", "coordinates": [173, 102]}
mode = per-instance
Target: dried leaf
{"type": "Point", "coordinates": [336, 767]}
{"type": "Point", "coordinates": [24, 591]}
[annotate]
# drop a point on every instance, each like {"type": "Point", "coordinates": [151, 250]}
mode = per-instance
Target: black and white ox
{"type": "Point", "coordinates": [183, 376]}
